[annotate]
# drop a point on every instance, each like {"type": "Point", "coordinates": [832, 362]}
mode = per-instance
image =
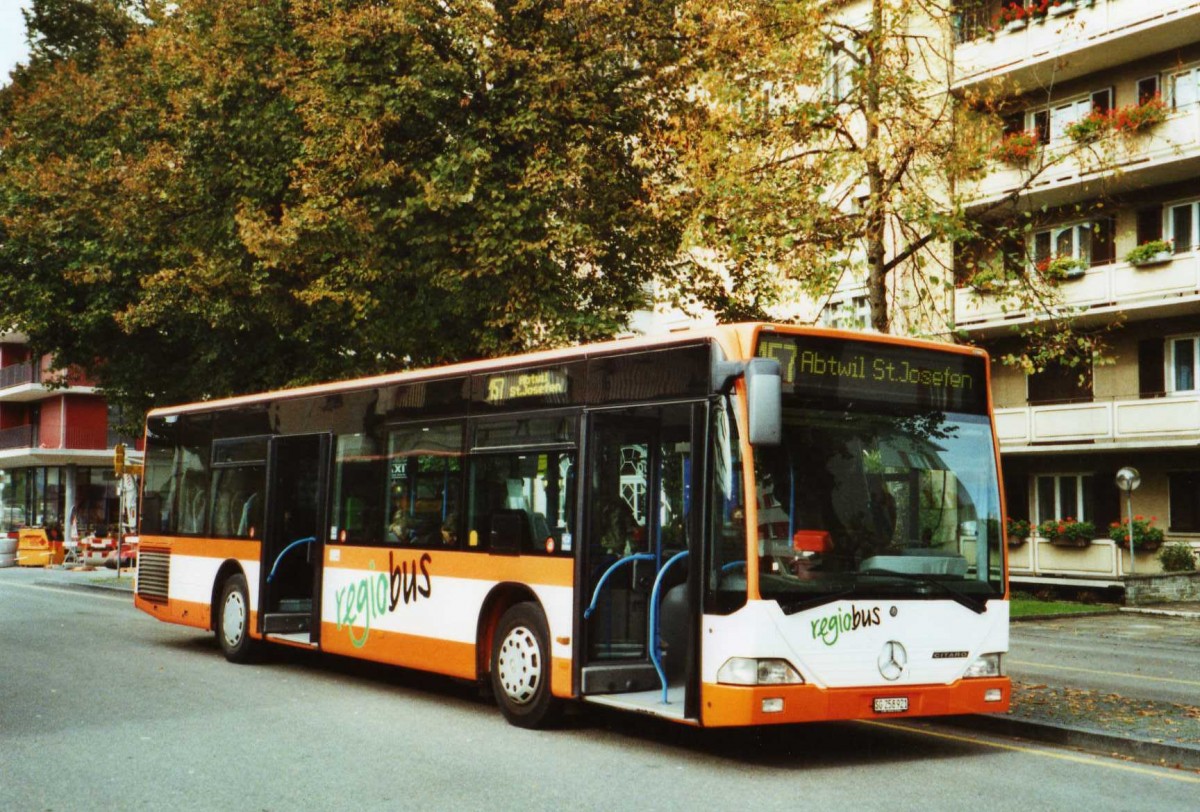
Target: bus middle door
{"type": "Point", "coordinates": [297, 495]}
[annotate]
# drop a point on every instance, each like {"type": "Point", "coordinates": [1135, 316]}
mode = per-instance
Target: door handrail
{"type": "Point", "coordinates": [655, 653]}
{"type": "Point", "coordinates": [587, 613]}
{"type": "Point", "coordinates": [284, 551]}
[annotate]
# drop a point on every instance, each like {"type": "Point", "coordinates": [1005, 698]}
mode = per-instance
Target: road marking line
{"type": "Point", "coordinates": [1095, 760]}
{"type": "Point", "coordinates": [1106, 673]}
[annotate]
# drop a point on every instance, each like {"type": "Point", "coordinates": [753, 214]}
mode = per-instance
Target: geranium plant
{"type": "Point", "coordinates": [1017, 529]}
{"type": "Point", "coordinates": [1139, 117]}
{"type": "Point", "coordinates": [1088, 128]}
{"type": "Point", "coordinates": [1067, 531]}
{"type": "Point", "coordinates": [1017, 148]}
{"type": "Point", "coordinates": [1150, 251]}
{"type": "Point", "coordinates": [1145, 535]}
{"type": "Point", "coordinates": [1057, 268]}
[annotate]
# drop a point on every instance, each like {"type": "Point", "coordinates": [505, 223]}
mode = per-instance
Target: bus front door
{"type": "Point", "coordinates": [639, 527]}
{"type": "Point", "coordinates": [297, 495]}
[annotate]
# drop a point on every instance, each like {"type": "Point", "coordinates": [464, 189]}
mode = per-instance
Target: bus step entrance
{"type": "Point", "coordinates": [622, 678]}
{"type": "Point", "coordinates": [286, 622]}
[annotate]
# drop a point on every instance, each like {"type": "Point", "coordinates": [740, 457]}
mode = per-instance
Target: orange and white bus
{"type": "Point", "coordinates": [741, 525]}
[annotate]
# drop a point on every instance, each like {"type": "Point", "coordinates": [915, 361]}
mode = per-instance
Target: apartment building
{"type": "Point", "coordinates": [56, 447]}
{"type": "Point", "coordinates": [1107, 92]}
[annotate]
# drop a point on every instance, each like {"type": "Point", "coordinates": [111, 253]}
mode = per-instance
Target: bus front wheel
{"type": "Point", "coordinates": [521, 667]}
{"type": "Point", "coordinates": [233, 621]}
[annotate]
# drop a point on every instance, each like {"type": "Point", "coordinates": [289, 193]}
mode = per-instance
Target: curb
{"type": "Point", "coordinates": [1185, 756]}
{"type": "Point", "coordinates": [126, 588]}
{"type": "Point", "coordinates": [1135, 610]}
{"type": "Point", "coordinates": [1064, 615]}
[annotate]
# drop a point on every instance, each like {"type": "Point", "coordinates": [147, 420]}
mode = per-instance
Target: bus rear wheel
{"type": "Point", "coordinates": [233, 621]}
{"type": "Point", "coordinates": [521, 668]}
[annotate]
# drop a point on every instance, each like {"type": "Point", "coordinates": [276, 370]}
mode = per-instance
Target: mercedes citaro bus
{"type": "Point", "coordinates": [741, 525]}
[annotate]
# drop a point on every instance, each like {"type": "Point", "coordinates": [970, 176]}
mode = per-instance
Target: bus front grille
{"type": "Point", "coordinates": [154, 574]}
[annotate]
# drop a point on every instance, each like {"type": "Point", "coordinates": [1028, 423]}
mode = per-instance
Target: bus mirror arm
{"type": "Point", "coordinates": [764, 394]}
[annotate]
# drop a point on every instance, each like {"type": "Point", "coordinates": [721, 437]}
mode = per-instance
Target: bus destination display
{"type": "Point", "coordinates": [837, 370]}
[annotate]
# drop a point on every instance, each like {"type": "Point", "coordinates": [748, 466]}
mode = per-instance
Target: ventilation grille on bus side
{"type": "Point", "coordinates": [154, 574]}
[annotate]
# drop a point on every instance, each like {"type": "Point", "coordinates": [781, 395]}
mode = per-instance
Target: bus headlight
{"type": "Point", "coordinates": [750, 671]}
{"type": "Point", "coordinates": [988, 665]}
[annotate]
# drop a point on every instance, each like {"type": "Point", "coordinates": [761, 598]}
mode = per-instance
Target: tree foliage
{"type": "Point", "coordinates": [222, 196]}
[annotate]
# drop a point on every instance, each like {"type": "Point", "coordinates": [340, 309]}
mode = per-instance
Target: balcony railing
{"type": "Point", "coordinates": [1058, 173]}
{"type": "Point", "coordinates": [16, 437]}
{"type": "Point", "coordinates": [1080, 38]}
{"type": "Point", "coordinates": [1169, 419]}
{"type": "Point", "coordinates": [1117, 283]}
{"type": "Point", "coordinates": [19, 375]}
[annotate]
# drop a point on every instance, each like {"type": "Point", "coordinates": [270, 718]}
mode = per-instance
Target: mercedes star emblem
{"type": "Point", "coordinates": [892, 660]}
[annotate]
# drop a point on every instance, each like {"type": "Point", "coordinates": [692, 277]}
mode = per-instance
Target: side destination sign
{"type": "Point", "coordinates": [544, 383]}
{"type": "Point", "coordinates": [837, 371]}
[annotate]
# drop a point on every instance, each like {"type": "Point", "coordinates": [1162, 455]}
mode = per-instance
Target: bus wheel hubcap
{"type": "Point", "coordinates": [233, 619]}
{"type": "Point", "coordinates": [520, 665]}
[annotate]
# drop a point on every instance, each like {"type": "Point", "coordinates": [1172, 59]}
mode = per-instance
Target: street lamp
{"type": "Point", "coordinates": [1127, 480]}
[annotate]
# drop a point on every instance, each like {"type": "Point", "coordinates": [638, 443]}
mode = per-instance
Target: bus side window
{"type": "Point", "coordinates": [521, 502]}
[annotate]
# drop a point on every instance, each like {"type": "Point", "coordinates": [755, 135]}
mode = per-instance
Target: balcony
{"type": "Point", "coordinates": [1103, 425]}
{"type": "Point", "coordinates": [22, 383]}
{"type": "Point", "coordinates": [1116, 163]}
{"type": "Point", "coordinates": [1080, 40]}
{"type": "Point", "coordinates": [1160, 290]}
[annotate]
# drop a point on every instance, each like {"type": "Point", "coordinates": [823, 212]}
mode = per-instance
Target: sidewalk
{"type": "Point", "coordinates": [1062, 714]}
{"type": "Point", "coordinates": [87, 578]}
{"type": "Point", "coordinates": [1060, 711]}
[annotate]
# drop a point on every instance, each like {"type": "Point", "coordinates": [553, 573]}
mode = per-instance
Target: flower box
{"type": "Point", "coordinates": [1012, 26]}
{"type": "Point", "coordinates": [1061, 10]}
{"type": "Point", "coordinates": [1154, 252]}
{"type": "Point", "coordinates": [1146, 537]}
{"type": "Point", "coordinates": [1067, 532]}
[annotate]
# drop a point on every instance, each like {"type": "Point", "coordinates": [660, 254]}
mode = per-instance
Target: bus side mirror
{"type": "Point", "coordinates": [764, 396]}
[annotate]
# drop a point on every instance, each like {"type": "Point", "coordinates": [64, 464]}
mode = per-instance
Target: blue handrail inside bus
{"type": "Point", "coordinates": [604, 578]}
{"type": "Point", "coordinates": [285, 551]}
{"type": "Point", "coordinates": [655, 653]}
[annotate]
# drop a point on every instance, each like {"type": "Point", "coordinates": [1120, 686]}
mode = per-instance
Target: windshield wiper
{"type": "Point", "coordinates": [976, 605]}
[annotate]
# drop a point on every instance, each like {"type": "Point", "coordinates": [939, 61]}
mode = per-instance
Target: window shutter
{"type": "Point", "coordinates": [1151, 379]}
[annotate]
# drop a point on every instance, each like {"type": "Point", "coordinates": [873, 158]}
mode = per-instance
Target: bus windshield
{"type": "Point", "coordinates": [878, 504]}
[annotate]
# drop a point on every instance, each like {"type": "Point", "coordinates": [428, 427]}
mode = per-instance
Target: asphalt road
{"type": "Point", "coordinates": [102, 707]}
{"type": "Point", "coordinates": [1144, 656]}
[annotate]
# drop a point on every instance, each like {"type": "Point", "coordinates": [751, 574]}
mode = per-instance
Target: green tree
{"type": "Point", "coordinates": [827, 143]}
{"type": "Point", "coordinates": [232, 196]}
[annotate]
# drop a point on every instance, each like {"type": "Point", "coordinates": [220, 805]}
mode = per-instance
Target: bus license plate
{"type": "Point", "coordinates": [891, 704]}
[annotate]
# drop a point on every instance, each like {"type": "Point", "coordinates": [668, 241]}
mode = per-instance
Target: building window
{"type": "Point", "coordinates": [1185, 87]}
{"type": "Point", "coordinates": [1050, 123]}
{"type": "Point", "coordinates": [1061, 383]}
{"type": "Point", "coordinates": [1091, 243]}
{"type": "Point", "coordinates": [1184, 501]}
{"type": "Point", "coordinates": [1181, 363]}
{"type": "Point", "coordinates": [849, 314]}
{"type": "Point", "coordinates": [1147, 89]}
{"type": "Point", "coordinates": [1182, 225]}
{"type": "Point", "coordinates": [1063, 496]}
